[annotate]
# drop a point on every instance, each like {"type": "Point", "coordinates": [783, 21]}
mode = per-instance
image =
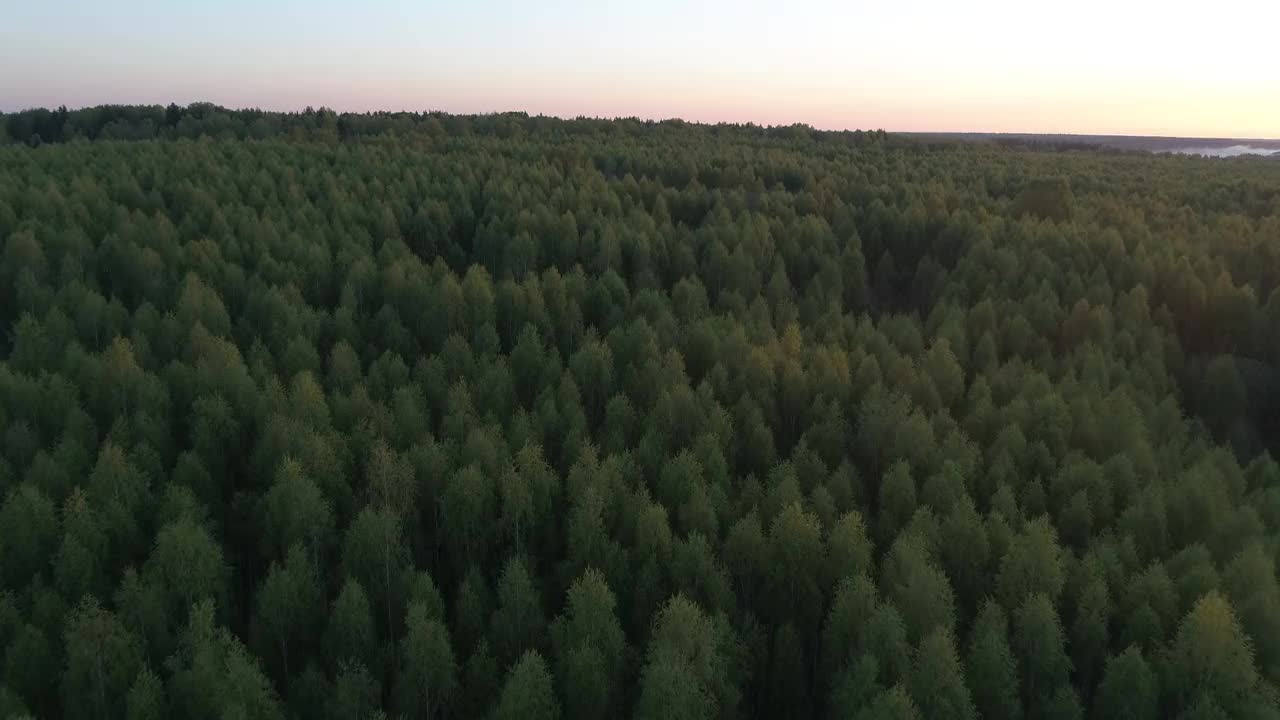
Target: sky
{"type": "Point", "coordinates": [1138, 67]}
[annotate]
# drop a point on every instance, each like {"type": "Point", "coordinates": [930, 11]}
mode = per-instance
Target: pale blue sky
{"type": "Point", "coordinates": [1094, 66]}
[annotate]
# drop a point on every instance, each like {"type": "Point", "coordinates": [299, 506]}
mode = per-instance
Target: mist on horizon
{"type": "Point", "coordinates": [1229, 151]}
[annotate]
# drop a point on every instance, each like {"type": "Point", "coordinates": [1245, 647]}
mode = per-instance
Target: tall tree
{"type": "Point", "coordinates": [103, 658]}
{"type": "Point", "coordinates": [528, 693]}
{"type": "Point", "coordinates": [990, 668]}
{"type": "Point", "coordinates": [937, 679]}
{"type": "Point", "coordinates": [1042, 656]}
{"type": "Point", "coordinates": [518, 622]}
{"type": "Point", "coordinates": [289, 604]}
{"type": "Point", "coordinates": [1129, 688]}
{"type": "Point", "coordinates": [686, 672]}
{"type": "Point", "coordinates": [1210, 663]}
{"type": "Point", "coordinates": [590, 649]}
{"type": "Point", "coordinates": [428, 674]}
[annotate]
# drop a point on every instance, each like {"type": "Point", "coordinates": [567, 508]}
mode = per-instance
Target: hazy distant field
{"type": "Point", "coordinates": [1229, 151]}
{"type": "Point", "coordinates": [1212, 147]}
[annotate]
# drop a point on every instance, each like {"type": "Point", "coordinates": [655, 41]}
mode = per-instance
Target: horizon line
{"type": "Point", "coordinates": [653, 120]}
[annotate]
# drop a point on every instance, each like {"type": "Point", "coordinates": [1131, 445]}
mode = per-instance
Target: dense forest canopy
{"type": "Point", "coordinates": [426, 416]}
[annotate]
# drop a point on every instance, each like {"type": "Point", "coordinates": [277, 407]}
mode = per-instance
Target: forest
{"type": "Point", "coordinates": [414, 415]}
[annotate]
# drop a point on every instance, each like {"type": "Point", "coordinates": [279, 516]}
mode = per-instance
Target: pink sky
{"type": "Point", "coordinates": [1149, 67]}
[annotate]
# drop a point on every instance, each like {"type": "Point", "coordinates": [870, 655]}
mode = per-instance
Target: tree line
{"type": "Point", "coordinates": [37, 126]}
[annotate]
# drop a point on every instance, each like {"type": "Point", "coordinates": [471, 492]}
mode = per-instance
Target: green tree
{"type": "Point", "coordinates": [686, 672]}
{"type": "Point", "coordinates": [1089, 633]}
{"type": "Point", "coordinates": [849, 549]}
{"type": "Point", "coordinates": [187, 565]}
{"type": "Point", "coordinates": [146, 700]}
{"type": "Point", "coordinates": [78, 566]}
{"type": "Point", "coordinates": [472, 606]}
{"type": "Point", "coordinates": [528, 693]}
{"type": "Point", "coordinates": [374, 554]}
{"type": "Point", "coordinates": [892, 704]}
{"type": "Point", "coordinates": [355, 692]}
{"type": "Point", "coordinates": [469, 509]}
{"type": "Point", "coordinates": [1129, 688]}
{"type": "Point", "coordinates": [289, 604]}
{"type": "Point", "coordinates": [480, 681]}
{"type": "Point", "coordinates": [1210, 661]}
{"type": "Point", "coordinates": [937, 679]}
{"type": "Point", "coordinates": [1032, 565]}
{"type": "Point", "coordinates": [844, 632]}
{"type": "Point", "coordinates": [29, 662]}
{"type": "Point", "coordinates": [518, 622]}
{"type": "Point", "coordinates": [349, 634]}
{"type": "Point", "coordinates": [213, 676]}
{"type": "Point", "coordinates": [897, 501]}
{"type": "Point", "coordinates": [1046, 198]}
{"type": "Point", "coordinates": [796, 564]}
{"type": "Point", "coordinates": [943, 369]}
{"type": "Point", "coordinates": [103, 658]}
{"type": "Point", "coordinates": [990, 668]}
{"type": "Point", "coordinates": [28, 533]}
{"type": "Point", "coordinates": [428, 673]}
{"type": "Point", "coordinates": [917, 588]}
{"type": "Point", "coordinates": [589, 648]}
{"type": "Point", "coordinates": [965, 554]}
{"type": "Point", "coordinates": [1251, 584]}
{"type": "Point", "coordinates": [296, 511]}
{"type": "Point", "coordinates": [1040, 647]}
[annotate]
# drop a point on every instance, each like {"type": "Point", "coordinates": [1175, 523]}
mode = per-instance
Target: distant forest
{"type": "Point", "coordinates": [1110, 143]}
{"type": "Point", "coordinates": [395, 415]}
{"type": "Point", "coordinates": [151, 122]}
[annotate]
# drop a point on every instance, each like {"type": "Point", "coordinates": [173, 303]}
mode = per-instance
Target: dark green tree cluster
{"type": "Point", "coordinates": [320, 416]}
{"type": "Point", "coordinates": [149, 122]}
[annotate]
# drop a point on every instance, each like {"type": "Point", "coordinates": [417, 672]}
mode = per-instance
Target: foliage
{"type": "Point", "coordinates": [321, 415]}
